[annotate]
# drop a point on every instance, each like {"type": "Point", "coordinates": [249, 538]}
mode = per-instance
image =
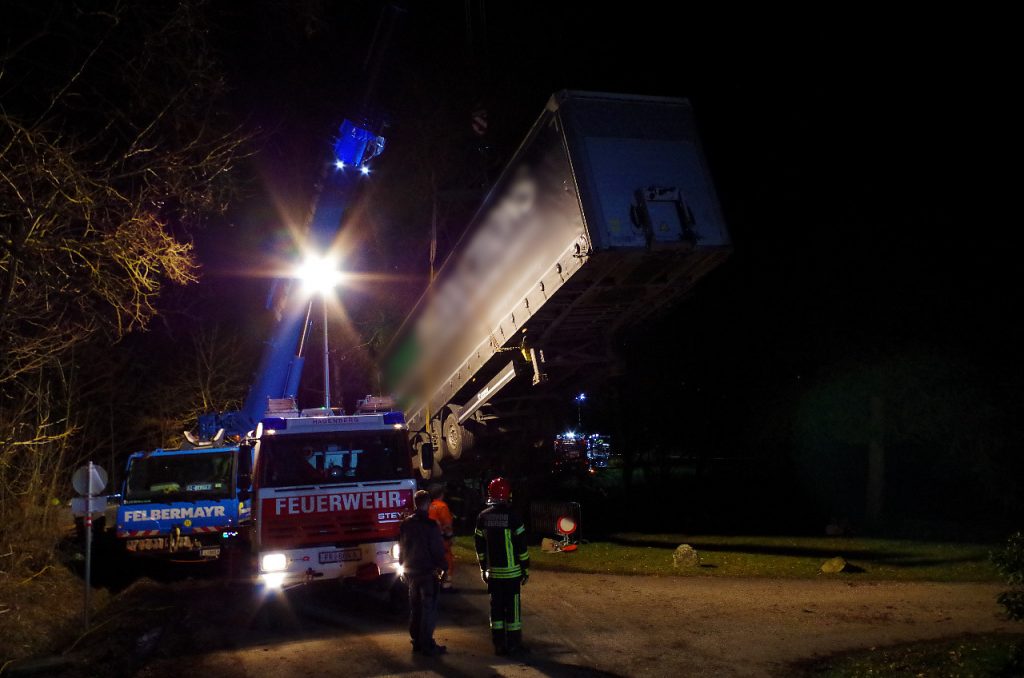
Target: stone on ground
{"type": "Point", "coordinates": [833, 565]}
{"type": "Point", "coordinates": [685, 556]}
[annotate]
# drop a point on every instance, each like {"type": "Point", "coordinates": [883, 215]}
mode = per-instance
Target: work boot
{"type": "Point", "coordinates": [435, 651]}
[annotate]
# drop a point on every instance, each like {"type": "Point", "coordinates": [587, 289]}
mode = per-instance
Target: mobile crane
{"type": "Point", "coordinates": [191, 502]}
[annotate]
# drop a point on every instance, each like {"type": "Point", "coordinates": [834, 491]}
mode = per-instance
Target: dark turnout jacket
{"type": "Point", "coordinates": [501, 543]}
{"type": "Point", "coordinates": [421, 548]}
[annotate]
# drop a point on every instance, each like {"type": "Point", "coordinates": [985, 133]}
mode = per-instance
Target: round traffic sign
{"type": "Point", "coordinates": [86, 483]}
{"type": "Point", "coordinates": [566, 525]}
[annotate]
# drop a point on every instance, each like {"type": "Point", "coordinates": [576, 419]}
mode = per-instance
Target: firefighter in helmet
{"type": "Point", "coordinates": [504, 565]}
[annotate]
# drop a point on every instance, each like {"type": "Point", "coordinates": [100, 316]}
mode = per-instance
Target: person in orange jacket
{"type": "Point", "coordinates": [442, 515]}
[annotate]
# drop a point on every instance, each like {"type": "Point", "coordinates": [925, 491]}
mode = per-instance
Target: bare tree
{"type": "Point", "coordinates": [112, 147]}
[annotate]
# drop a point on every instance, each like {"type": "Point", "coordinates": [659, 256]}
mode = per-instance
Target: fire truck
{"type": "Point", "coordinates": [329, 493]}
{"type": "Point", "coordinates": [576, 452]}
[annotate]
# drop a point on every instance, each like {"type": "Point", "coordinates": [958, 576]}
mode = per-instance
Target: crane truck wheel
{"type": "Point", "coordinates": [457, 438]}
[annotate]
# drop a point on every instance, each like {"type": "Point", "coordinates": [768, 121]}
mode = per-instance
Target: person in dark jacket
{"type": "Point", "coordinates": [421, 555]}
{"type": "Point", "coordinates": [504, 565]}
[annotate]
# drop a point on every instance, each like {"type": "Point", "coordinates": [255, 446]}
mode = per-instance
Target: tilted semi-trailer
{"type": "Point", "coordinates": [605, 214]}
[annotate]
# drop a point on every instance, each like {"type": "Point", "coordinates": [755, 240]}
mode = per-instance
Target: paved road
{"type": "Point", "coordinates": [589, 625]}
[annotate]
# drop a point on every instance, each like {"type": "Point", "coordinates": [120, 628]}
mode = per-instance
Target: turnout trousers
{"type": "Point", "coordinates": [506, 616]}
{"type": "Point", "coordinates": [423, 593]}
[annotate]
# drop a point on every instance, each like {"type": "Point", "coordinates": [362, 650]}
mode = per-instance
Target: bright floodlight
{"type": "Point", "coordinates": [319, 274]}
{"type": "Point", "coordinates": [365, 170]}
{"type": "Point", "coordinates": [339, 164]}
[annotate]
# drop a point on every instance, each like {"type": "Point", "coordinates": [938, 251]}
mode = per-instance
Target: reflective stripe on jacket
{"type": "Point", "coordinates": [500, 539]}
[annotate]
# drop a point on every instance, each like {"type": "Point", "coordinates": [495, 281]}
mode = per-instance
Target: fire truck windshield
{"type": "Point", "coordinates": [185, 477]}
{"type": "Point", "coordinates": [330, 458]}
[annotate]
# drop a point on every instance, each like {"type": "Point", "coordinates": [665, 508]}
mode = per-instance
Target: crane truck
{"type": "Point", "coordinates": [605, 214]}
{"type": "Point", "coordinates": [188, 503]}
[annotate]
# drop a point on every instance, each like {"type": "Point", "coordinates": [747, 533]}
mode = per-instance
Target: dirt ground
{"type": "Point", "coordinates": [575, 625]}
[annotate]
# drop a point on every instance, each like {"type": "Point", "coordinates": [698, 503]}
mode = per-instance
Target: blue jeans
{"type": "Point", "coordinates": [423, 594]}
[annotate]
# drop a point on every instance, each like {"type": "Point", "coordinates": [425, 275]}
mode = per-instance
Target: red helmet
{"type": "Point", "coordinates": [498, 490]}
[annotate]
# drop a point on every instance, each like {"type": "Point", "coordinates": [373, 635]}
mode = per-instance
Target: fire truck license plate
{"type": "Point", "coordinates": [209, 552]}
{"type": "Point", "coordinates": [343, 556]}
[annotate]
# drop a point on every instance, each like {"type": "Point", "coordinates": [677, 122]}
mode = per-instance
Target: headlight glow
{"type": "Point", "coordinates": [272, 562]}
{"type": "Point", "coordinates": [273, 580]}
{"type": "Point", "coordinates": [396, 551]}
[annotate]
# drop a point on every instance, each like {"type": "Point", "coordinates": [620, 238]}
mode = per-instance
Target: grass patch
{"type": "Point", "coordinates": [40, 594]}
{"type": "Point", "coordinates": [777, 557]}
{"type": "Point", "coordinates": [987, 655]}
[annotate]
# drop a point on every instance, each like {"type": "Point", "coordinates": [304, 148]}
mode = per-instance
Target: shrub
{"type": "Point", "coordinates": [1010, 563]}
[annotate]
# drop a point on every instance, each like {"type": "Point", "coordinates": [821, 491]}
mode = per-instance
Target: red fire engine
{"type": "Point", "coordinates": [329, 494]}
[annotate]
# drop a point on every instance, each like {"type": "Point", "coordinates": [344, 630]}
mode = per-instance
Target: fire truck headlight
{"type": "Point", "coordinates": [399, 570]}
{"type": "Point", "coordinates": [272, 562]}
{"type": "Point", "coordinates": [273, 580]}
{"type": "Point", "coordinates": [396, 551]}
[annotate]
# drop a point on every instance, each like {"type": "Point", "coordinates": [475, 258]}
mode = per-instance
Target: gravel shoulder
{"type": "Point", "coordinates": [749, 627]}
{"type": "Point", "coordinates": [584, 624]}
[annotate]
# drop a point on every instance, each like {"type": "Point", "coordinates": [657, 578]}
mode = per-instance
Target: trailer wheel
{"type": "Point", "coordinates": [433, 472]}
{"type": "Point", "coordinates": [457, 438]}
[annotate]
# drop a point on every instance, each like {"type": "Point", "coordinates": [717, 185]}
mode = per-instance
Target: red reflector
{"type": "Point", "coordinates": [368, 572]}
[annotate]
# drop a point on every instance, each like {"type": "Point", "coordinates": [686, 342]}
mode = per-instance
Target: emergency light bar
{"type": "Point", "coordinates": [394, 418]}
{"type": "Point", "coordinates": [275, 423]}
{"type": "Point", "coordinates": [312, 424]}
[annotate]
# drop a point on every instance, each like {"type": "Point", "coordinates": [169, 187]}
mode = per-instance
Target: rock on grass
{"type": "Point", "coordinates": [685, 556]}
{"type": "Point", "coordinates": [834, 565]}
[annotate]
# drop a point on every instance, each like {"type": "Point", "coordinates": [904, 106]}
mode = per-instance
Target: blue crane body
{"type": "Point", "coordinates": [187, 503]}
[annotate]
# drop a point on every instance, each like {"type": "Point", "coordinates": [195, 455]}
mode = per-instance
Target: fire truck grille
{"type": "Point", "coordinates": [325, 531]}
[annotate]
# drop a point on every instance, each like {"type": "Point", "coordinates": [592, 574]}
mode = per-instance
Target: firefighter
{"type": "Point", "coordinates": [504, 565]}
{"type": "Point", "coordinates": [421, 555]}
{"type": "Point", "coordinates": [442, 515]}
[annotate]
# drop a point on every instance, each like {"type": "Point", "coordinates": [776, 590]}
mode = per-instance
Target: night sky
{"type": "Point", "coordinates": [853, 164]}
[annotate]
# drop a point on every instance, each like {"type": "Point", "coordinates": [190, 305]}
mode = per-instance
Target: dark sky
{"type": "Point", "coordinates": [853, 158]}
